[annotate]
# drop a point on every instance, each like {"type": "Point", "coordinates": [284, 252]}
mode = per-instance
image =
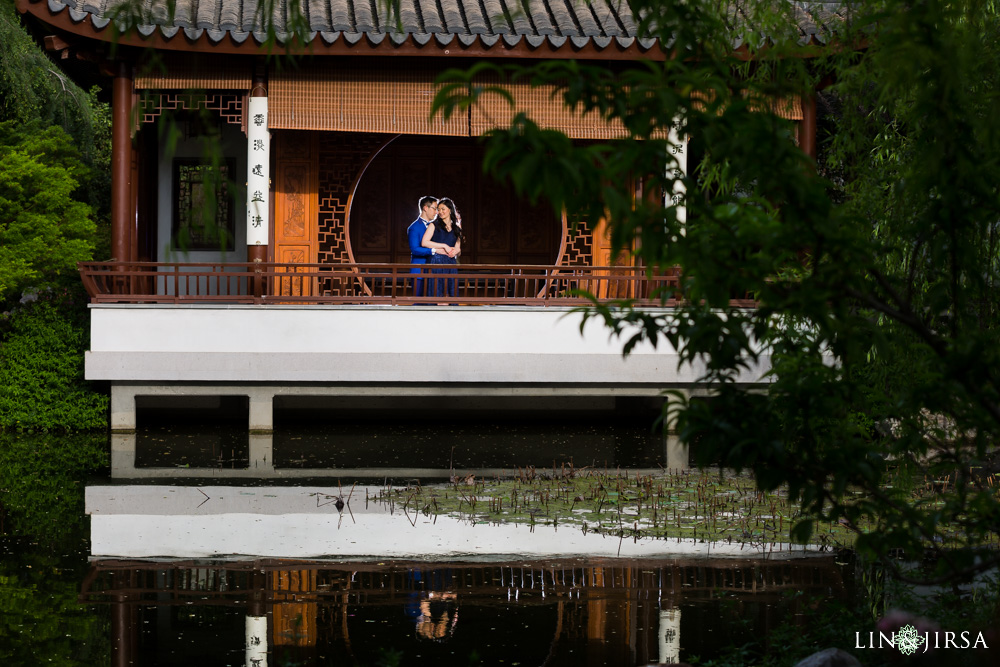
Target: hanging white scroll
{"type": "Point", "coordinates": [258, 172]}
{"type": "Point", "coordinates": [669, 636]}
{"type": "Point", "coordinates": [679, 168]}
{"type": "Point", "coordinates": [256, 641]}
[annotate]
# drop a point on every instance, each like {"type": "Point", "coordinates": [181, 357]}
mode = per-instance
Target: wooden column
{"type": "Point", "coordinates": [121, 164]}
{"type": "Point", "coordinates": [807, 127]}
{"type": "Point", "coordinates": [122, 632]}
{"type": "Point", "coordinates": [133, 200]}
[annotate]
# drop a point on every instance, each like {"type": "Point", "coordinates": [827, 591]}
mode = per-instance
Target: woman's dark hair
{"type": "Point", "coordinates": [455, 227]}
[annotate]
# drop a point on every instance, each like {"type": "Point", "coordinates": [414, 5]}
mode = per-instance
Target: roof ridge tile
{"type": "Point", "coordinates": [340, 17]}
{"type": "Point", "coordinates": [498, 17]}
{"type": "Point", "coordinates": [478, 22]}
{"type": "Point", "coordinates": [544, 25]}
{"type": "Point", "coordinates": [565, 17]}
{"type": "Point", "coordinates": [518, 18]}
{"type": "Point", "coordinates": [408, 19]}
{"type": "Point", "coordinates": [590, 23]}
{"type": "Point", "coordinates": [431, 18]}
{"type": "Point", "coordinates": [451, 16]}
{"type": "Point", "coordinates": [363, 19]}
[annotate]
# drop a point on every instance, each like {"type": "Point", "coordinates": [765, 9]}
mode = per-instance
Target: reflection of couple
{"type": "Point", "coordinates": [435, 238]}
{"type": "Point", "coordinates": [435, 611]}
{"type": "Point", "coordinates": [438, 616]}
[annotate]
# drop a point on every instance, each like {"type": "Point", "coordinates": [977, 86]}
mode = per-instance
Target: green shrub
{"type": "Point", "coordinates": [41, 368]}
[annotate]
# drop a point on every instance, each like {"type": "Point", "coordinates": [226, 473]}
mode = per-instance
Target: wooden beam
{"type": "Point", "coordinates": [55, 43]}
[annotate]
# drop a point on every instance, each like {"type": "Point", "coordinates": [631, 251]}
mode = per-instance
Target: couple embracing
{"type": "Point", "coordinates": [435, 238]}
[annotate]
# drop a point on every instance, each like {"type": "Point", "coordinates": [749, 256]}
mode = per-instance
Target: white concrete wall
{"type": "Point", "coordinates": [317, 344]}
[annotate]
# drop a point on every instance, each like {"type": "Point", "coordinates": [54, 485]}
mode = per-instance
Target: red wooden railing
{"type": "Point", "coordinates": [391, 284]}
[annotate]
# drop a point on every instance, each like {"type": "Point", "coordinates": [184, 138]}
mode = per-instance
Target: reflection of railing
{"type": "Point", "coordinates": [387, 284]}
{"type": "Point", "coordinates": [362, 583]}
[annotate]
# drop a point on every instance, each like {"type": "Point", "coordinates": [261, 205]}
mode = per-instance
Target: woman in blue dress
{"type": "Point", "coordinates": [445, 235]}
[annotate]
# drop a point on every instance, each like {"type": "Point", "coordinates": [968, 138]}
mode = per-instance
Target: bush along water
{"type": "Point", "coordinates": [42, 341]}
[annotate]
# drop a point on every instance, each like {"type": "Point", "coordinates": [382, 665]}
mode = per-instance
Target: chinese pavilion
{"type": "Point", "coordinates": [296, 285]}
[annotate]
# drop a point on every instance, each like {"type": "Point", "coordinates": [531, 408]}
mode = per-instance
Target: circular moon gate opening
{"type": "Point", "coordinates": [499, 227]}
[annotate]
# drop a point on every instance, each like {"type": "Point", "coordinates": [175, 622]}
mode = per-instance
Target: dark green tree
{"type": "Point", "coordinates": [877, 292]}
{"type": "Point", "coordinates": [44, 230]}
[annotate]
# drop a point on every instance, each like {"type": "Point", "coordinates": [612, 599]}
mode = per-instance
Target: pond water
{"type": "Point", "coordinates": [194, 561]}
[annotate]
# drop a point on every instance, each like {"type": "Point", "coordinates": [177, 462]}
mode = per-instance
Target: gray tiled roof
{"type": "Point", "coordinates": [576, 23]}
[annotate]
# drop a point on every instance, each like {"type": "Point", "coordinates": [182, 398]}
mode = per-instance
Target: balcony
{"type": "Point", "coordinates": [373, 284]}
{"type": "Point", "coordinates": [292, 330]}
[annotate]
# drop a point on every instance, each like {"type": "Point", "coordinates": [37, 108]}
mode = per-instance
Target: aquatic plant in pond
{"type": "Point", "coordinates": [710, 506]}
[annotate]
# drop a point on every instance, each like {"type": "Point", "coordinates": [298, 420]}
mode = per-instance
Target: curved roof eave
{"type": "Point", "coordinates": [590, 29]}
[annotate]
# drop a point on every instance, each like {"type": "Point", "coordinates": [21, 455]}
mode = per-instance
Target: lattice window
{"type": "Point", "coordinates": [229, 106]}
{"type": "Point", "coordinates": [342, 156]}
{"type": "Point", "coordinates": [579, 245]}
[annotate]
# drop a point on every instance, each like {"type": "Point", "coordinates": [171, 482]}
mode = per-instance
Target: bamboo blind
{"type": "Point", "coordinates": [175, 72]}
{"type": "Point", "coordinates": [548, 111]}
{"type": "Point", "coordinates": [544, 108]}
{"type": "Point", "coordinates": [362, 99]}
{"type": "Point", "coordinates": [371, 98]}
{"type": "Point", "coordinates": [789, 108]}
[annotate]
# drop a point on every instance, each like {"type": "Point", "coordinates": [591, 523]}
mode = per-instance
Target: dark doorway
{"type": "Point", "coordinates": [500, 229]}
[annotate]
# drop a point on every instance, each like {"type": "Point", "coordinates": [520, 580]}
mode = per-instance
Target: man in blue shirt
{"type": "Point", "coordinates": [415, 235]}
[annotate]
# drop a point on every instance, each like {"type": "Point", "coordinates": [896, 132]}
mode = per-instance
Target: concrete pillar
{"type": "Point", "coordinates": [122, 409]}
{"type": "Point", "coordinates": [122, 455]}
{"type": "Point", "coordinates": [676, 452]}
{"type": "Point", "coordinates": [262, 453]}
{"type": "Point", "coordinates": [261, 410]}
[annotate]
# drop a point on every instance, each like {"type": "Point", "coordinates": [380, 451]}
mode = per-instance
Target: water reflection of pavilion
{"type": "Point", "coordinates": [564, 612]}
